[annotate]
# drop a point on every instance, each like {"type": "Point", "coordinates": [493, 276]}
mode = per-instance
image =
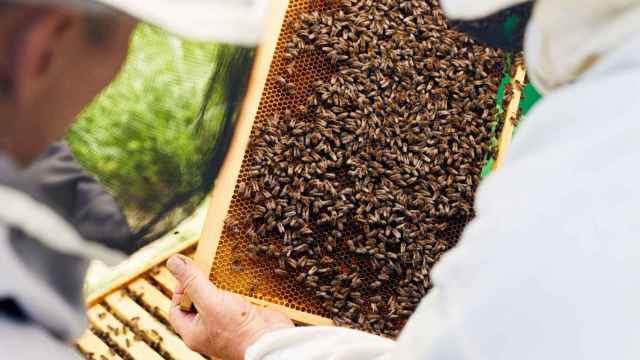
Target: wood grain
{"type": "Point", "coordinates": [151, 298]}
{"type": "Point", "coordinates": [512, 112]}
{"type": "Point", "coordinates": [149, 327]}
{"type": "Point", "coordinates": [165, 279]}
{"type": "Point", "coordinates": [125, 340]}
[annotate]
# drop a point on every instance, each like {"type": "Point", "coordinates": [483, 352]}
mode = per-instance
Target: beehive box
{"type": "Point", "coordinates": [130, 318]}
{"type": "Point", "coordinates": [222, 251]}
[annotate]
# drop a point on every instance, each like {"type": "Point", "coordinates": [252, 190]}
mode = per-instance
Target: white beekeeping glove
{"type": "Point", "coordinates": [565, 37]}
{"type": "Point", "coordinates": [237, 22]}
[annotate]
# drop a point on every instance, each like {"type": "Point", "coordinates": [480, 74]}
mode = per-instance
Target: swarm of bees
{"type": "Point", "coordinates": [356, 194]}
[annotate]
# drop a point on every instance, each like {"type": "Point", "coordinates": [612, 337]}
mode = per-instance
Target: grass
{"type": "Point", "coordinates": [137, 136]}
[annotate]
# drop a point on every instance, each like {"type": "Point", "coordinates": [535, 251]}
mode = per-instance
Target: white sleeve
{"type": "Point", "coordinates": [428, 335]}
{"type": "Point", "coordinates": [29, 341]}
{"type": "Point", "coordinates": [318, 342]}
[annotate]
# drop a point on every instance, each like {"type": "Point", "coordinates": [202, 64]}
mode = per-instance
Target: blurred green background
{"type": "Point", "coordinates": [137, 136]}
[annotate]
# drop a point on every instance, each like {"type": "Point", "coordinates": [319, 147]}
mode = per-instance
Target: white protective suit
{"type": "Point", "coordinates": [550, 267]}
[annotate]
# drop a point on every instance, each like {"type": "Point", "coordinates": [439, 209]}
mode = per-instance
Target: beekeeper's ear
{"type": "Point", "coordinates": [475, 9]}
{"type": "Point", "coordinates": [36, 49]}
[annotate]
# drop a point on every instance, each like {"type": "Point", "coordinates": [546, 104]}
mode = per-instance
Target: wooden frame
{"type": "Point", "coordinates": [97, 296]}
{"type": "Point", "coordinates": [222, 194]}
{"type": "Point", "coordinates": [504, 141]}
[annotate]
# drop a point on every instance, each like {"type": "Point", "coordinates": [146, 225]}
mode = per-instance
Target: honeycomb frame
{"type": "Point", "coordinates": [221, 248]}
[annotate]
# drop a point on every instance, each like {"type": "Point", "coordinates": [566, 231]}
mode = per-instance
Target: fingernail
{"type": "Point", "coordinates": [176, 264]}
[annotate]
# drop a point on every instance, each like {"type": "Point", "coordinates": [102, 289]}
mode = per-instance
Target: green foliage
{"type": "Point", "coordinates": [137, 137]}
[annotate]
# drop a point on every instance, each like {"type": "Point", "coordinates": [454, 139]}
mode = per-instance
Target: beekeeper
{"type": "Point", "coordinates": [55, 56]}
{"type": "Point", "coordinates": [550, 267]}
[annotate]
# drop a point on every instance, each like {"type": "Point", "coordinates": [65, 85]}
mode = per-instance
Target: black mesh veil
{"type": "Point", "coordinates": [225, 92]}
{"type": "Point", "coordinates": [157, 143]}
{"type": "Point", "coordinates": [504, 29]}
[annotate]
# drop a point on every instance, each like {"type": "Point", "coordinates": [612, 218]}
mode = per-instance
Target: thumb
{"type": "Point", "coordinates": [191, 280]}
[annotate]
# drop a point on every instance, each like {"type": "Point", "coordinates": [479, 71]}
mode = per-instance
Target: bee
{"type": "Point", "coordinates": [290, 89]}
{"type": "Point", "coordinates": [281, 272]}
{"type": "Point", "coordinates": [254, 286]}
{"type": "Point", "coordinates": [282, 82]}
{"type": "Point", "coordinates": [236, 266]}
{"type": "Point", "coordinates": [156, 334]}
{"type": "Point", "coordinates": [292, 263]}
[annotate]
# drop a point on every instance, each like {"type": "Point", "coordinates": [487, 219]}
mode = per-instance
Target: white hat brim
{"type": "Point", "coordinates": [227, 21]}
{"type": "Point", "coordinates": [475, 9]}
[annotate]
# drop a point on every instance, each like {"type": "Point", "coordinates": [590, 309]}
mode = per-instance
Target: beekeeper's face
{"type": "Point", "coordinates": [53, 62]}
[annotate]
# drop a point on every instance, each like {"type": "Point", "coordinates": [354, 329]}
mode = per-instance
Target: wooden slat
{"type": "Point", "coordinates": [151, 298]}
{"type": "Point", "coordinates": [512, 112]}
{"type": "Point", "coordinates": [164, 278]}
{"type": "Point", "coordinates": [89, 343]}
{"type": "Point", "coordinates": [126, 308]}
{"type": "Point", "coordinates": [97, 296]}
{"type": "Point", "coordinates": [102, 320]}
{"type": "Point", "coordinates": [222, 194]}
